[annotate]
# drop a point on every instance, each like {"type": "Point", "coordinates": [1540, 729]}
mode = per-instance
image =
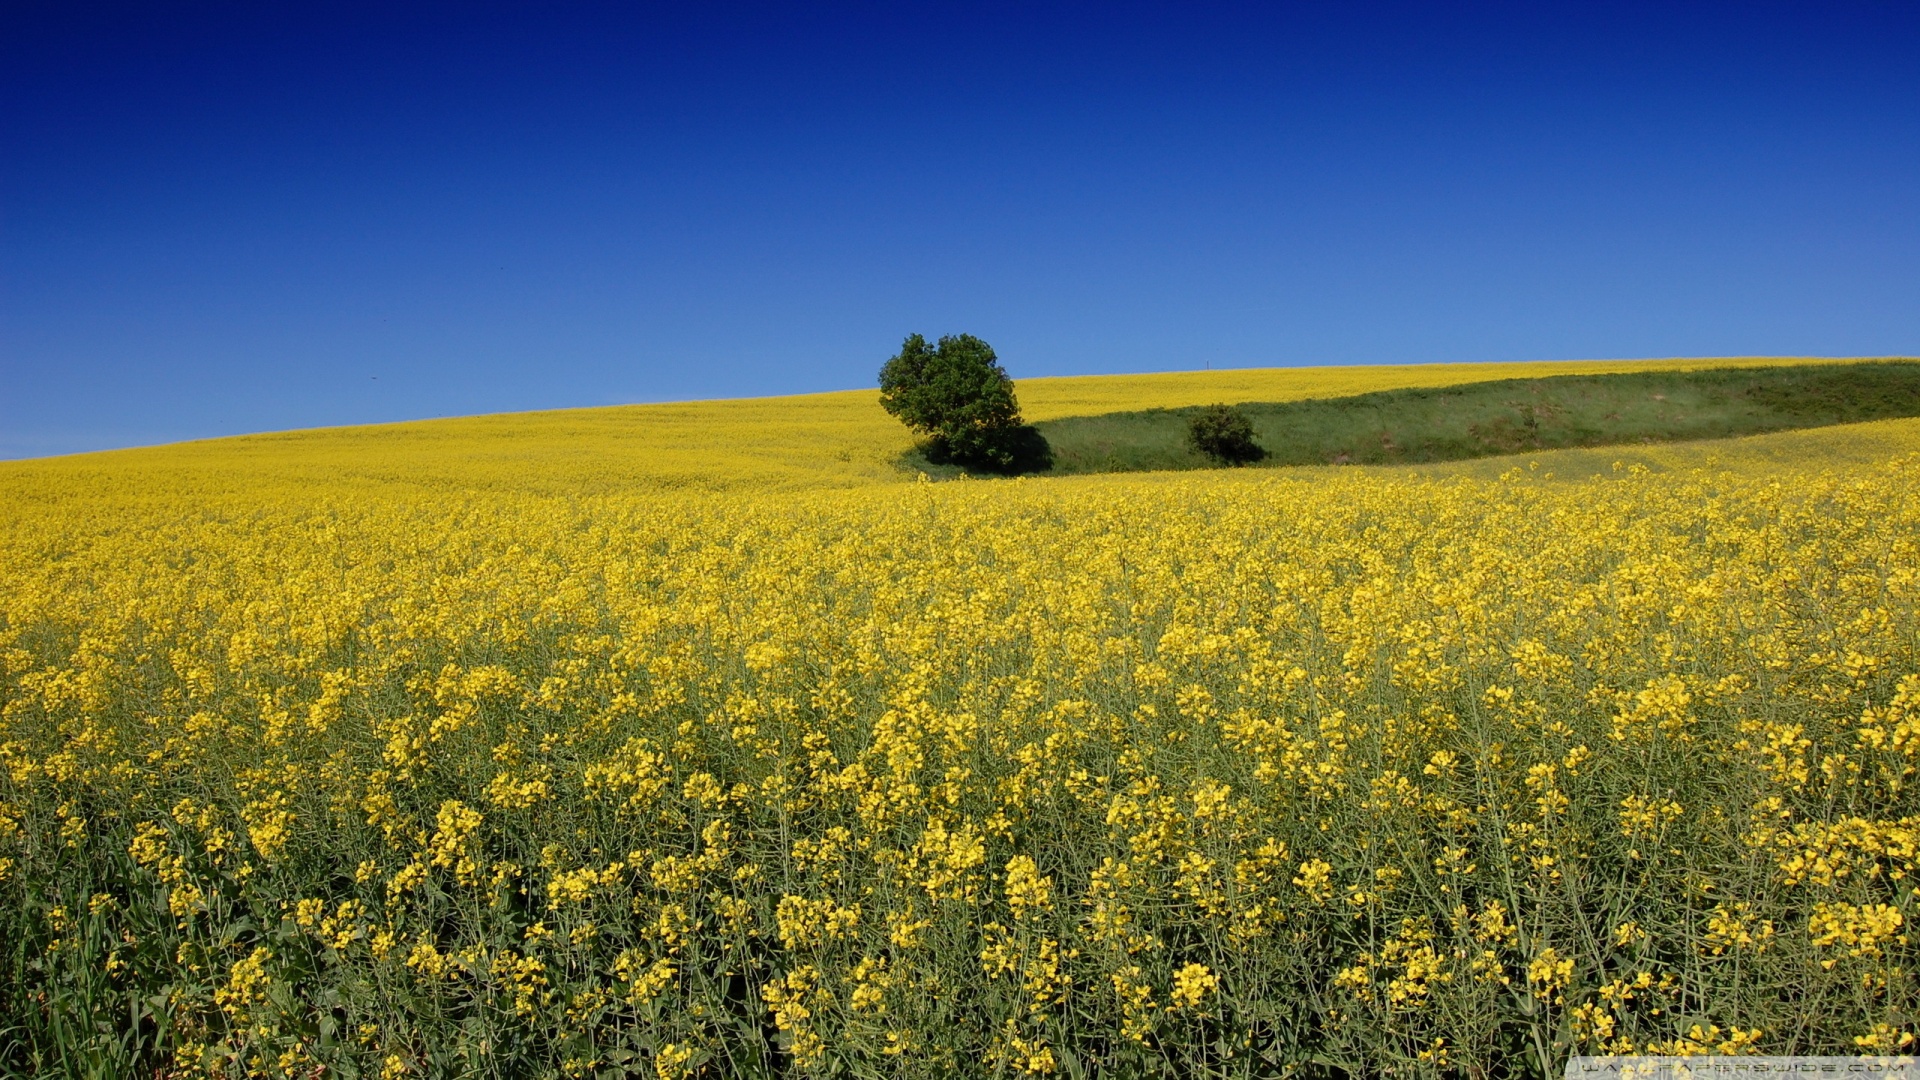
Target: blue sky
{"type": "Point", "coordinates": [219, 218]}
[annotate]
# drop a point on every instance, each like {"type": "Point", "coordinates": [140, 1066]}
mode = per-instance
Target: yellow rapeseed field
{"type": "Point", "coordinates": [697, 740]}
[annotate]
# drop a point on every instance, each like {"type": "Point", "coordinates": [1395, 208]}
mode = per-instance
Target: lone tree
{"type": "Point", "coordinates": [1224, 434]}
{"type": "Point", "coordinates": [957, 394]}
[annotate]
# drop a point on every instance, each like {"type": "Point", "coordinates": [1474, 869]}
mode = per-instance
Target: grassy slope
{"type": "Point", "coordinates": [818, 440]}
{"type": "Point", "coordinates": [1506, 417]}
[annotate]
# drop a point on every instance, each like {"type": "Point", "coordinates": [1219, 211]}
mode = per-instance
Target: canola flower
{"type": "Point", "coordinates": [1233, 774]}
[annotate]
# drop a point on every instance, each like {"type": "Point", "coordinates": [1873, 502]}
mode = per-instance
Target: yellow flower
{"type": "Point", "coordinates": [1191, 985]}
{"type": "Point", "coordinates": [1549, 973]}
{"type": "Point", "coordinates": [1028, 890]}
{"type": "Point", "coordinates": [1316, 880]}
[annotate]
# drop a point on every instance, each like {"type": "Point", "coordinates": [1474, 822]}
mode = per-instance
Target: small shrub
{"type": "Point", "coordinates": [1225, 435]}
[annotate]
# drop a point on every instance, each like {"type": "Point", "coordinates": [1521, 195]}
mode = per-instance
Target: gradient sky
{"type": "Point", "coordinates": [219, 218]}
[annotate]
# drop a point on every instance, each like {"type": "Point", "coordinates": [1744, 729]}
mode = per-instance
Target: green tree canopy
{"type": "Point", "coordinates": [956, 393]}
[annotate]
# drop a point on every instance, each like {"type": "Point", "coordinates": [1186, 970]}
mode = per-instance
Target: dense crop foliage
{"type": "Point", "coordinates": [1209, 773]}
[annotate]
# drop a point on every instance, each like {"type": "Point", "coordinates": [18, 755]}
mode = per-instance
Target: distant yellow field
{"type": "Point", "coordinates": [696, 740]}
{"type": "Point", "coordinates": [1087, 395]}
{"type": "Point", "coordinates": [816, 440]}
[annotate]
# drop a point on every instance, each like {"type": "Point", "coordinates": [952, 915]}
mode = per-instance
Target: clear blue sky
{"type": "Point", "coordinates": [218, 218]}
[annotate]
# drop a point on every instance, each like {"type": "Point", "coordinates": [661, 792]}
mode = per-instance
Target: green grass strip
{"type": "Point", "coordinates": [1508, 416]}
